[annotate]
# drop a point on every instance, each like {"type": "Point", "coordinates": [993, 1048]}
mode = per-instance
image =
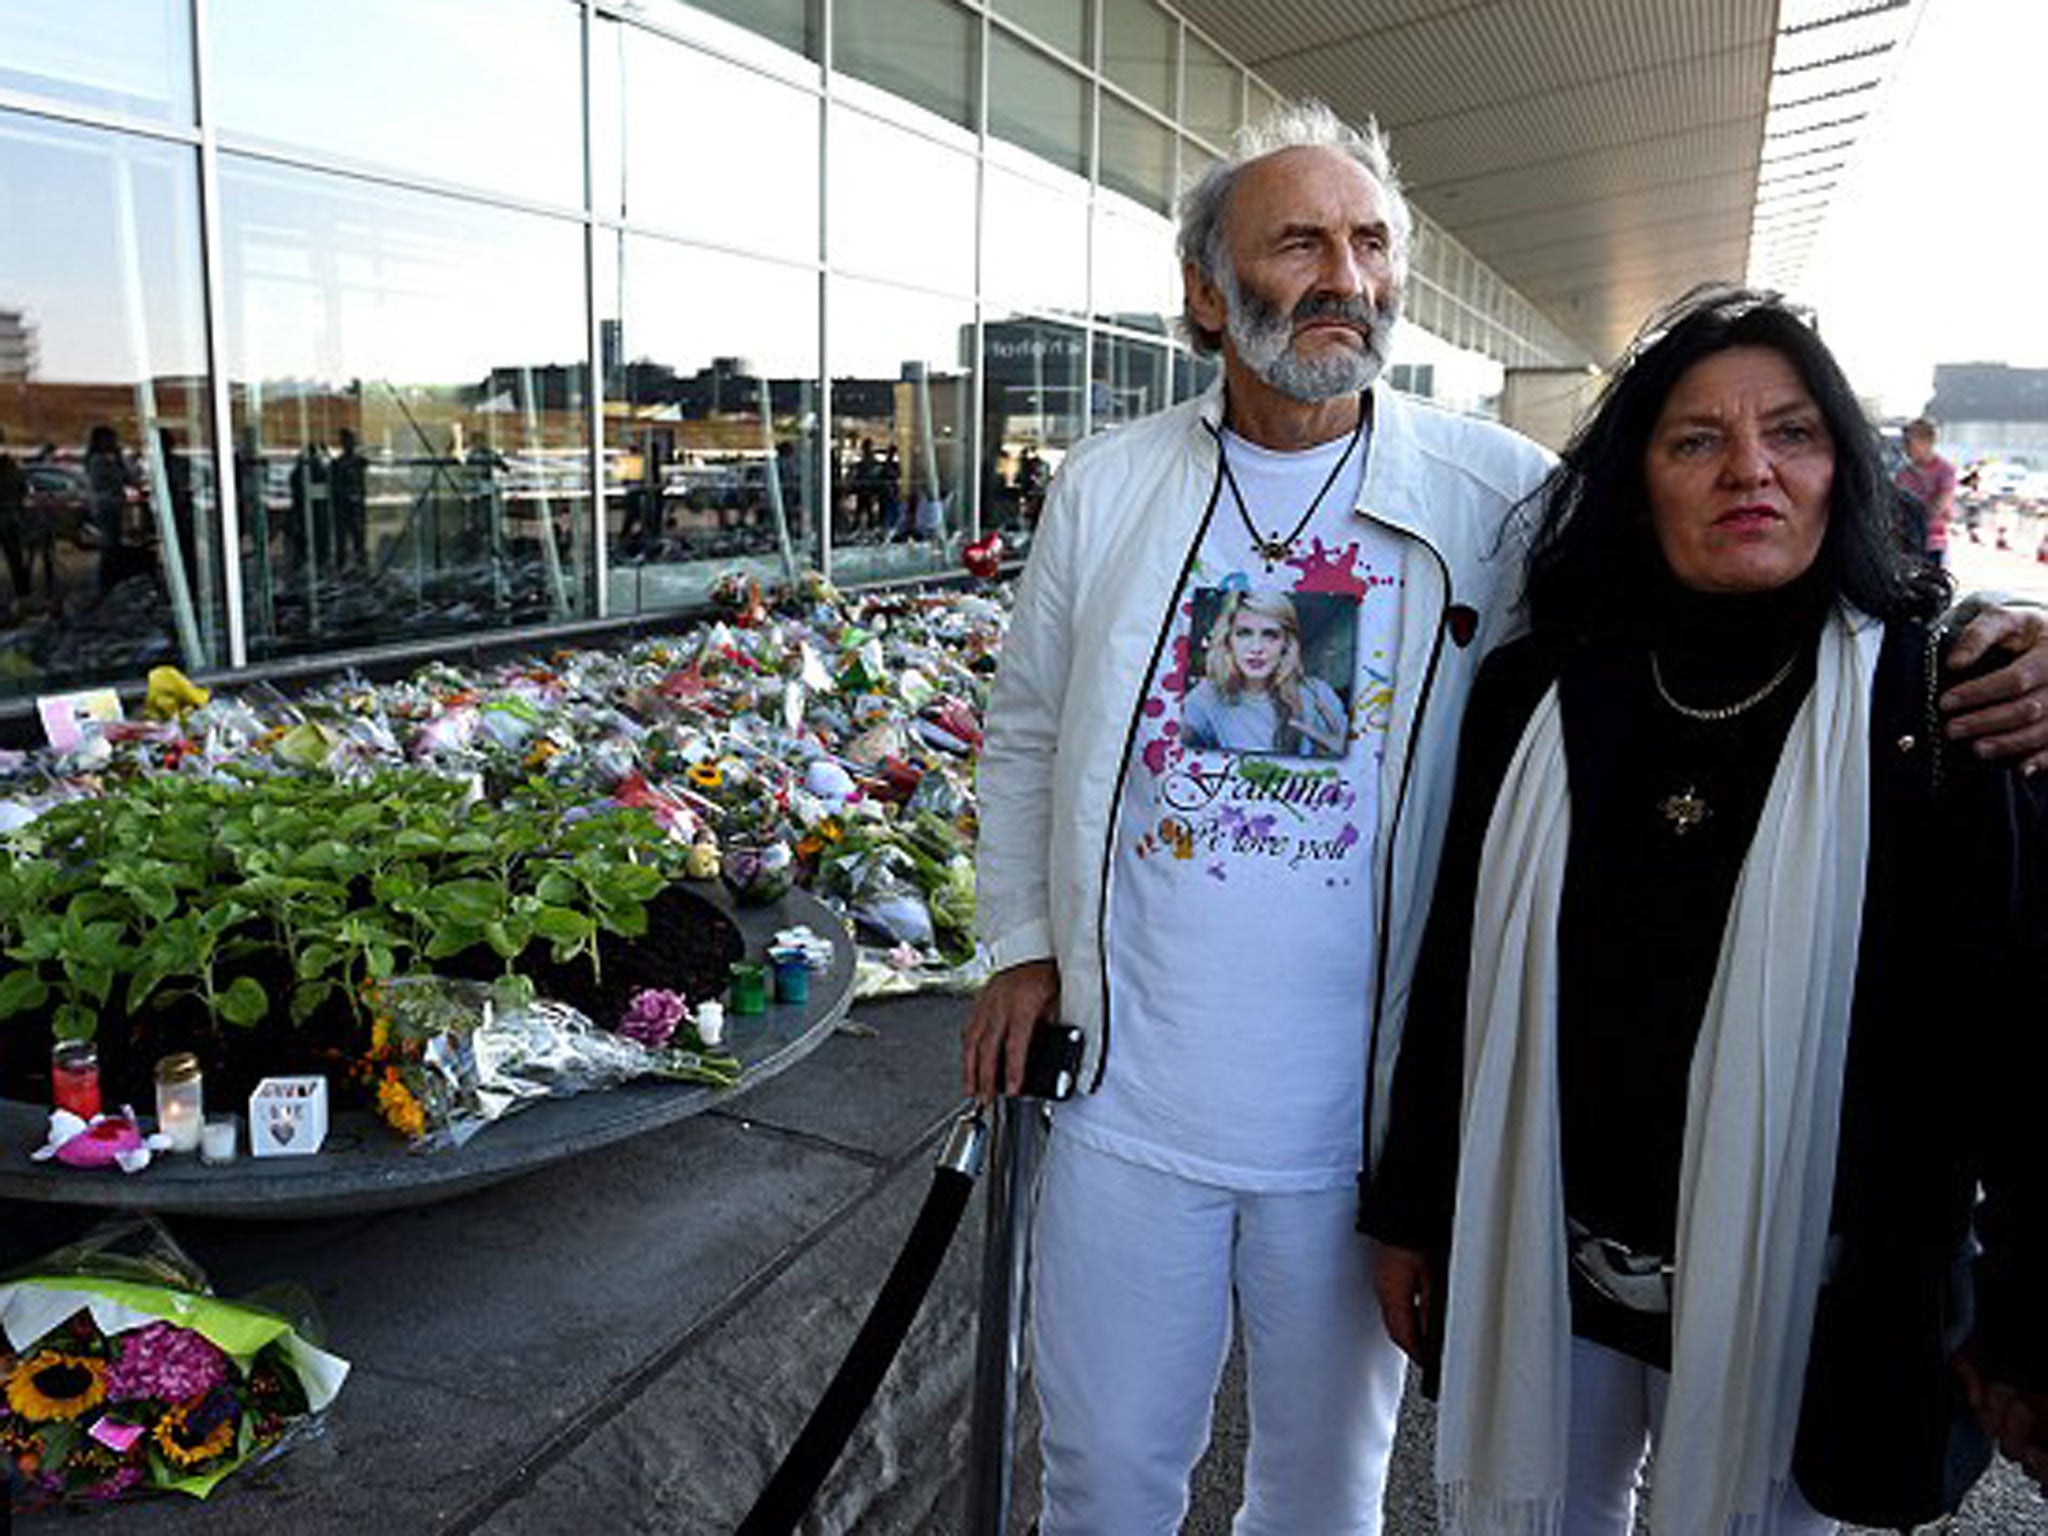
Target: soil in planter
{"type": "Point", "coordinates": [687, 948]}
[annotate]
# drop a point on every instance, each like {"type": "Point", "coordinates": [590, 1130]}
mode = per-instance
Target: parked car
{"type": "Point", "coordinates": [60, 500]}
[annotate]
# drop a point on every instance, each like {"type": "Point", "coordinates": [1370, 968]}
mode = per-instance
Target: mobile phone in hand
{"type": "Point", "coordinates": [1053, 1061]}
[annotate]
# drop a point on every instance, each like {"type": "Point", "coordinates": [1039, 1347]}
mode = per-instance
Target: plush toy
{"type": "Point", "coordinates": [102, 1141]}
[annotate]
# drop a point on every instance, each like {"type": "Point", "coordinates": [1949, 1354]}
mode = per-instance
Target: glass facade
{"type": "Point", "coordinates": [131, 57]}
{"type": "Point", "coordinates": [408, 392]}
{"type": "Point", "coordinates": [112, 541]}
{"type": "Point", "coordinates": [710, 418]}
{"type": "Point", "coordinates": [329, 329]}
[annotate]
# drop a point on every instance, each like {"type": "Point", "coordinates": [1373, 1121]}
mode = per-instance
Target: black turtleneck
{"type": "Point", "coordinates": [1648, 888]}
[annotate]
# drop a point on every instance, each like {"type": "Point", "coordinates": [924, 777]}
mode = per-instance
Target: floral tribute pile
{"type": "Point", "coordinates": [123, 1376]}
{"type": "Point", "coordinates": [356, 832]}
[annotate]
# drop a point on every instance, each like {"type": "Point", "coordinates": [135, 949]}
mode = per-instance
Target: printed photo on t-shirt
{"type": "Point", "coordinates": [1272, 672]}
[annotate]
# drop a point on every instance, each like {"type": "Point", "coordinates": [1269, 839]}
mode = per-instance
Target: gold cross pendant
{"type": "Point", "coordinates": [1684, 810]}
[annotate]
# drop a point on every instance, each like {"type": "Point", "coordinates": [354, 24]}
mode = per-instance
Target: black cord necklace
{"type": "Point", "coordinates": [1272, 548]}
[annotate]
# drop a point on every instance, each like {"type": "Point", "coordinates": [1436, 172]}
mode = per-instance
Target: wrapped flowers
{"type": "Point", "coordinates": [123, 1374]}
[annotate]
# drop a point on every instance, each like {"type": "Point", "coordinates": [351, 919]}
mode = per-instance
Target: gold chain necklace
{"type": "Point", "coordinates": [1722, 711]}
{"type": "Point", "coordinates": [1273, 548]}
{"type": "Point", "coordinates": [1687, 809]}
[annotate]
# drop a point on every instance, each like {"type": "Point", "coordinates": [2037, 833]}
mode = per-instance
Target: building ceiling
{"type": "Point", "coordinates": [1601, 155]}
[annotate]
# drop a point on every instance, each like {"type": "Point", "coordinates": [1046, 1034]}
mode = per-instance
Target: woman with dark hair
{"type": "Point", "coordinates": [1687, 1129]}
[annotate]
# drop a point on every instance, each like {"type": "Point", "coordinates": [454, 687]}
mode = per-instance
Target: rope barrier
{"type": "Point", "coordinates": [789, 1492]}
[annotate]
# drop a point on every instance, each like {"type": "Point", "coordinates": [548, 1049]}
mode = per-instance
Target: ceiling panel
{"type": "Point", "coordinates": [1601, 155]}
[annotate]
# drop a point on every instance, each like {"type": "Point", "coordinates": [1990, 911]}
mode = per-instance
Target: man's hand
{"type": "Point", "coordinates": [999, 1028]}
{"type": "Point", "coordinates": [2016, 1420]}
{"type": "Point", "coordinates": [2003, 713]}
{"type": "Point", "coordinates": [1407, 1295]}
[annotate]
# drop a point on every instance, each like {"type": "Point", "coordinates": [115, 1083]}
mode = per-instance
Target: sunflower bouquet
{"type": "Point", "coordinates": [122, 1374]}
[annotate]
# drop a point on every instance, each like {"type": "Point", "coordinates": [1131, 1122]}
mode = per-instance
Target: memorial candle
{"type": "Point", "coordinates": [180, 1098]}
{"type": "Point", "coordinates": [75, 1077]}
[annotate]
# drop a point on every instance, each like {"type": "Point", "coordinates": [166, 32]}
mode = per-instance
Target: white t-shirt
{"type": "Point", "coordinates": [1240, 914]}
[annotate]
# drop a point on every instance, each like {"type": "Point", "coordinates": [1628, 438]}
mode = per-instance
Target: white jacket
{"type": "Point", "coordinates": [1124, 518]}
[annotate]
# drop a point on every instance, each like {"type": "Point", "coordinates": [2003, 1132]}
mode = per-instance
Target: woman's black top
{"type": "Point", "coordinates": [1646, 895]}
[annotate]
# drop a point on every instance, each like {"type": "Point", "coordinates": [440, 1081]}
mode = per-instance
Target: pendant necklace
{"type": "Point", "coordinates": [1274, 547]}
{"type": "Point", "coordinates": [1687, 809]}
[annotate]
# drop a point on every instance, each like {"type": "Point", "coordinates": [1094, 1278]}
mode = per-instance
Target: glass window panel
{"type": "Point", "coordinates": [1137, 155]}
{"type": "Point", "coordinates": [1264, 100]}
{"type": "Point", "coordinates": [902, 402]}
{"type": "Point", "coordinates": [1063, 23]}
{"type": "Point", "coordinates": [408, 375]}
{"type": "Point", "coordinates": [1193, 375]}
{"type": "Point", "coordinates": [1137, 277]}
{"type": "Point", "coordinates": [792, 23]}
{"type": "Point", "coordinates": [1129, 379]}
{"type": "Point", "coordinates": [1035, 244]}
{"type": "Point", "coordinates": [758, 188]}
{"type": "Point", "coordinates": [1037, 104]}
{"type": "Point", "coordinates": [132, 56]}
{"type": "Point", "coordinates": [1425, 252]}
{"type": "Point", "coordinates": [104, 407]}
{"type": "Point", "coordinates": [488, 93]}
{"type": "Point", "coordinates": [900, 206]}
{"type": "Point", "coordinates": [1214, 86]}
{"type": "Point", "coordinates": [1034, 404]}
{"type": "Point", "coordinates": [1424, 305]}
{"type": "Point", "coordinates": [711, 419]}
{"type": "Point", "coordinates": [608, 43]}
{"type": "Point", "coordinates": [1138, 50]}
{"type": "Point", "coordinates": [919, 49]}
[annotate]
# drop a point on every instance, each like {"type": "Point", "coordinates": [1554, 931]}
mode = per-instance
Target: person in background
{"type": "Point", "coordinates": [348, 490]}
{"type": "Point", "coordinates": [1710, 1192]}
{"type": "Point", "coordinates": [109, 477]}
{"type": "Point", "coordinates": [1930, 481]}
{"type": "Point", "coordinates": [309, 534]}
{"type": "Point", "coordinates": [177, 470]}
{"type": "Point", "coordinates": [13, 524]}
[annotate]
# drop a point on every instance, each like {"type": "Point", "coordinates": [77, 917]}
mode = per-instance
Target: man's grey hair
{"type": "Point", "coordinates": [1292, 125]}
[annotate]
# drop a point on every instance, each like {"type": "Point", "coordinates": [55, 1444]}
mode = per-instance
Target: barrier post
{"type": "Point", "coordinates": [998, 1353]}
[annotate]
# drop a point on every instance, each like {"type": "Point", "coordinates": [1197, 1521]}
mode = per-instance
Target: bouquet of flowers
{"type": "Point", "coordinates": [123, 1374]}
{"type": "Point", "coordinates": [449, 1056]}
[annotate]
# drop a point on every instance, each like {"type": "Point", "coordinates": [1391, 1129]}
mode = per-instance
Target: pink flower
{"type": "Point", "coordinates": [165, 1362]}
{"type": "Point", "coordinates": [652, 1016]}
{"type": "Point", "coordinates": [113, 1487]}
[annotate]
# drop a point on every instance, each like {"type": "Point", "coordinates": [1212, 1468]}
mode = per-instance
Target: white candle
{"type": "Point", "coordinates": [217, 1139]}
{"type": "Point", "coordinates": [711, 1023]}
{"type": "Point", "coordinates": [180, 1122]}
{"type": "Point", "coordinates": [180, 1100]}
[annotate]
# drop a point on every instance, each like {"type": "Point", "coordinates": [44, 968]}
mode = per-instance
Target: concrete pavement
{"type": "Point", "coordinates": [1984, 567]}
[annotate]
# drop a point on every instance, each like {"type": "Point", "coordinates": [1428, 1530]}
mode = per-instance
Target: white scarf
{"type": "Point", "coordinates": [1756, 1181]}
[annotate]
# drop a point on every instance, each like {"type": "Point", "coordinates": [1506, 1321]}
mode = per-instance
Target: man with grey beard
{"type": "Point", "coordinates": [1233, 930]}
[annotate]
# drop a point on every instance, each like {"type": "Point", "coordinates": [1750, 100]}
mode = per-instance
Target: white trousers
{"type": "Point", "coordinates": [1134, 1272]}
{"type": "Point", "coordinates": [1617, 1412]}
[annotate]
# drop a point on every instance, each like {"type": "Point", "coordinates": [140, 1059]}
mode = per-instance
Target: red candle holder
{"type": "Point", "coordinates": [75, 1077]}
